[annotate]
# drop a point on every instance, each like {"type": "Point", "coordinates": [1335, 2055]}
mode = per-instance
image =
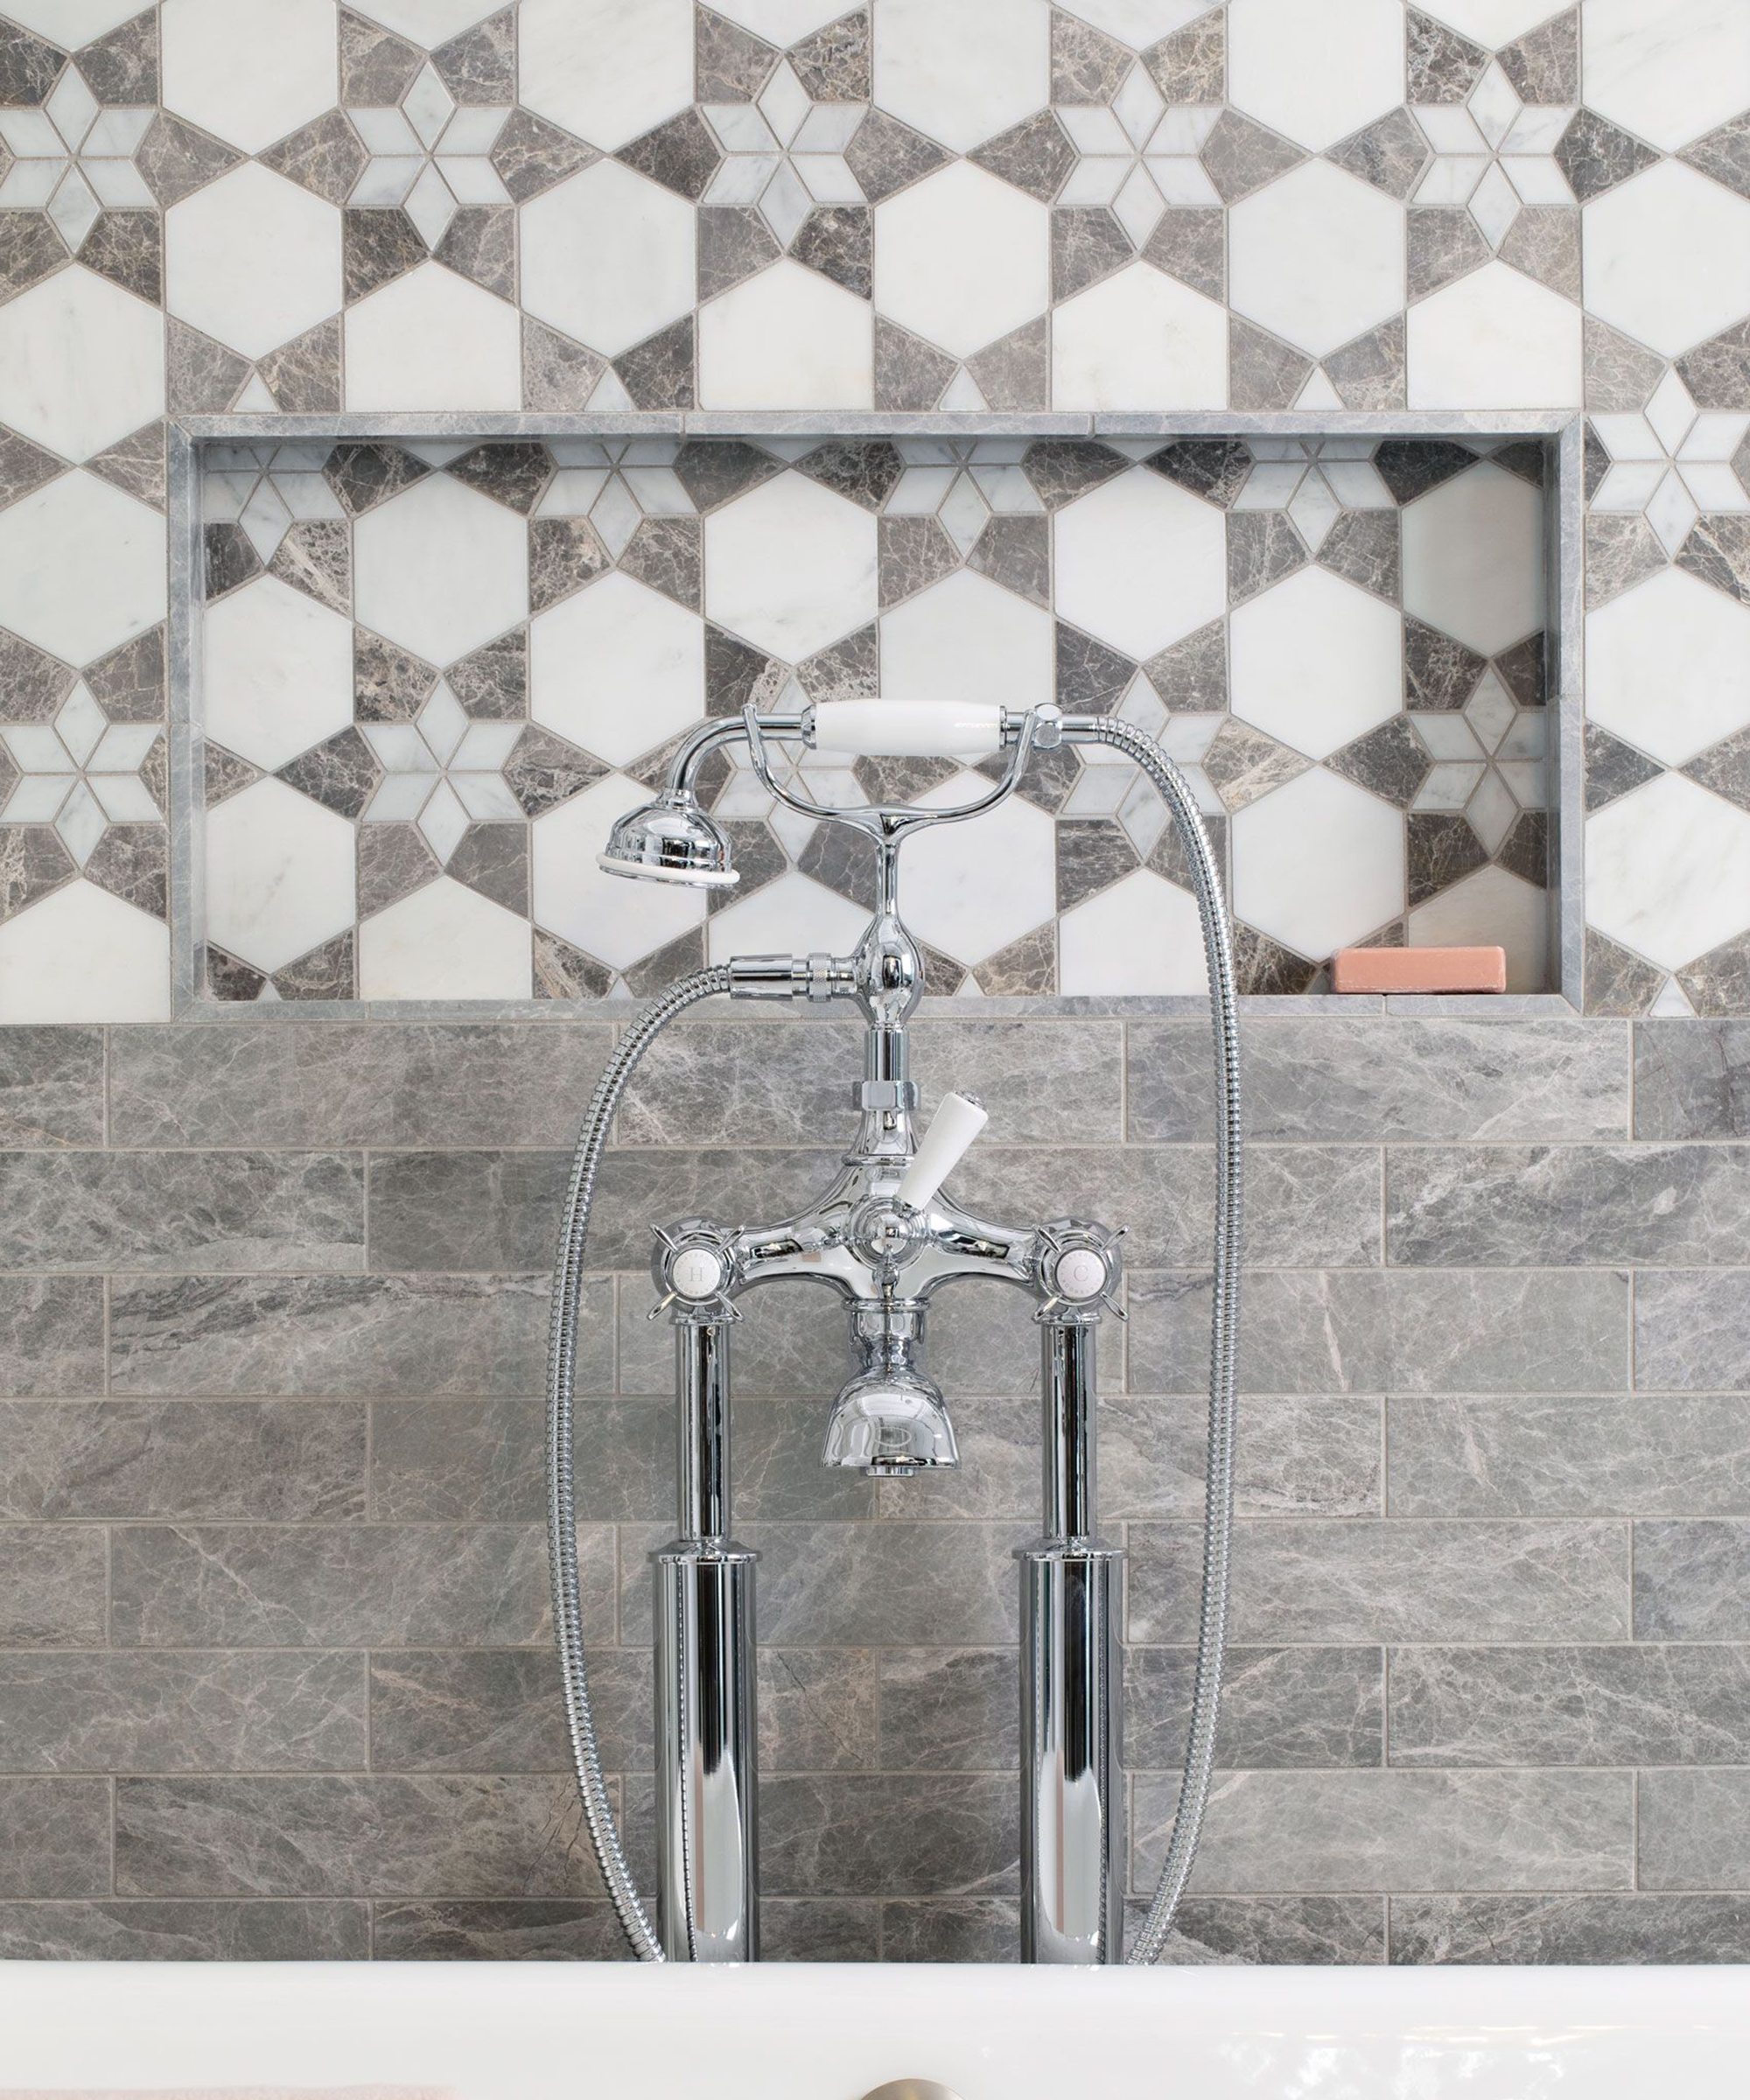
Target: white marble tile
{"type": "Point", "coordinates": [963, 70]}
{"type": "Point", "coordinates": [1142, 935]}
{"type": "Point", "coordinates": [617, 669]}
{"type": "Point", "coordinates": [1668, 666]}
{"type": "Point", "coordinates": [429, 22]}
{"type": "Point", "coordinates": [81, 363]}
{"type": "Point", "coordinates": [250, 71]}
{"type": "Point", "coordinates": [961, 258]}
{"type": "Point", "coordinates": [1492, 22]}
{"type": "Point", "coordinates": [445, 941]}
{"type": "Point", "coordinates": [608, 257]}
{"type": "Point", "coordinates": [1474, 558]}
{"type": "Point", "coordinates": [1668, 870]}
{"type": "Point", "coordinates": [1140, 23]}
{"type": "Point", "coordinates": [83, 955]}
{"type": "Point", "coordinates": [1315, 73]}
{"type": "Point", "coordinates": [951, 897]}
{"type": "Point", "coordinates": [786, 339]}
{"type": "Point", "coordinates": [1317, 257]}
{"type": "Point", "coordinates": [72, 23]}
{"type": "Point", "coordinates": [606, 915]}
{"type": "Point", "coordinates": [252, 259]}
{"type": "Point", "coordinates": [1139, 340]}
{"type": "Point", "coordinates": [1315, 661]}
{"type": "Point", "coordinates": [276, 672]}
{"type": "Point", "coordinates": [967, 639]}
{"type": "Point", "coordinates": [279, 874]}
{"type": "Point", "coordinates": [1493, 340]}
{"type": "Point", "coordinates": [432, 340]}
{"type": "Point", "coordinates": [790, 566]}
{"type": "Point", "coordinates": [1317, 864]}
{"type": "Point", "coordinates": [607, 70]}
{"type": "Point", "coordinates": [440, 568]}
{"type": "Point", "coordinates": [82, 568]}
{"type": "Point", "coordinates": [1140, 562]}
{"type": "Point", "coordinates": [1491, 909]}
{"type": "Point", "coordinates": [1666, 70]}
{"type": "Point", "coordinates": [792, 915]}
{"type": "Point", "coordinates": [1667, 257]}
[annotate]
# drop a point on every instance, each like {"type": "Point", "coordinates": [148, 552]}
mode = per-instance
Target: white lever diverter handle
{"type": "Point", "coordinates": [909, 729]}
{"type": "Point", "coordinates": [953, 1127]}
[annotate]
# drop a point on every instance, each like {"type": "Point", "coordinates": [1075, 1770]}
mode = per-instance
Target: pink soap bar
{"type": "Point", "coordinates": [1419, 969]}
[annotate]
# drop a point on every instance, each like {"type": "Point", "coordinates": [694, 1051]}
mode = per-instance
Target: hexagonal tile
{"type": "Point", "coordinates": [961, 70]}
{"type": "Point", "coordinates": [73, 23]}
{"type": "Point", "coordinates": [84, 362]}
{"type": "Point", "coordinates": [1667, 666]}
{"type": "Point", "coordinates": [279, 874]}
{"type": "Point", "coordinates": [618, 669]}
{"type": "Point", "coordinates": [1317, 864]}
{"type": "Point", "coordinates": [1667, 257]}
{"type": "Point", "coordinates": [275, 672]}
{"type": "Point", "coordinates": [431, 22]}
{"type": "Point", "coordinates": [1495, 909]}
{"type": "Point", "coordinates": [252, 260]}
{"type": "Point", "coordinates": [606, 915]}
{"type": "Point", "coordinates": [1493, 23]}
{"type": "Point", "coordinates": [967, 639]}
{"type": "Point", "coordinates": [250, 71]}
{"type": "Point", "coordinates": [1316, 662]}
{"type": "Point", "coordinates": [82, 568]}
{"type": "Point", "coordinates": [440, 568]}
{"type": "Point", "coordinates": [1474, 558]}
{"type": "Point", "coordinates": [1140, 562]}
{"type": "Point", "coordinates": [1315, 73]}
{"type": "Point", "coordinates": [1667, 72]}
{"type": "Point", "coordinates": [790, 566]}
{"type": "Point", "coordinates": [1139, 22]}
{"type": "Point", "coordinates": [788, 338]}
{"type": "Point", "coordinates": [1139, 340]}
{"type": "Point", "coordinates": [607, 70]}
{"type": "Point", "coordinates": [82, 954]}
{"type": "Point", "coordinates": [946, 875]}
{"type": "Point", "coordinates": [432, 340]}
{"type": "Point", "coordinates": [445, 941]}
{"type": "Point", "coordinates": [961, 258]}
{"type": "Point", "coordinates": [1492, 337]}
{"type": "Point", "coordinates": [1317, 256]}
{"type": "Point", "coordinates": [1141, 935]}
{"type": "Point", "coordinates": [1668, 870]}
{"type": "Point", "coordinates": [608, 256]}
{"type": "Point", "coordinates": [791, 916]}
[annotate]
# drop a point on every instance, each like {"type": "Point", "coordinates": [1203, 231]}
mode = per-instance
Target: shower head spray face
{"type": "Point", "coordinates": [669, 840]}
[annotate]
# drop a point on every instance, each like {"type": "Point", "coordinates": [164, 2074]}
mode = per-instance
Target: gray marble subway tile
{"type": "Point", "coordinates": [1454, 1206]}
{"type": "Point", "coordinates": [1338, 1832]}
{"type": "Point", "coordinates": [1622, 1455]}
{"type": "Point", "coordinates": [1692, 1581]}
{"type": "Point", "coordinates": [1517, 1331]}
{"type": "Point", "coordinates": [276, 1460]}
{"type": "Point", "coordinates": [952, 1928]}
{"type": "Point", "coordinates": [50, 1336]}
{"type": "Point", "coordinates": [1583, 1931]}
{"type": "Point", "coordinates": [1341, 1582]}
{"type": "Point", "coordinates": [729, 1082]}
{"type": "Point", "coordinates": [953, 1834]}
{"type": "Point", "coordinates": [824, 1928]}
{"type": "Point", "coordinates": [1332, 1080]}
{"type": "Point", "coordinates": [465, 1461]}
{"type": "Point", "coordinates": [52, 1583]}
{"type": "Point", "coordinates": [498, 1929]}
{"type": "Point", "coordinates": [791, 1339]}
{"type": "Point", "coordinates": [1280, 1707]}
{"type": "Point", "coordinates": [950, 1710]}
{"type": "Point", "coordinates": [181, 1211]}
{"type": "Point", "coordinates": [1649, 1704]}
{"type": "Point", "coordinates": [124, 1930]}
{"type": "Point", "coordinates": [1692, 1331]}
{"type": "Point", "coordinates": [328, 1586]}
{"type": "Point", "coordinates": [817, 1709]}
{"type": "Point", "coordinates": [1692, 1079]}
{"type": "Point", "coordinates": [385, 1835]}
{"type": "Point", "coordinates": [332, 1336]}
{"type": "Point", "coordinates": [356, 1083]}
{"type": "Point", "coordinates": [182, 1712]}
{"type": "Point", "coordinates": [51, 1086]}
{"type": "Point", "coordinates": [54, 1838]}
{"type": "Point", "coordinates": [1251, 1931]}
{"type": "Point", "coordinates": [1695, 1829]}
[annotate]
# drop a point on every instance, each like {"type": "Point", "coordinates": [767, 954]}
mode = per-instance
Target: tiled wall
{"type": "Point", "coordinates": [277, 1676]}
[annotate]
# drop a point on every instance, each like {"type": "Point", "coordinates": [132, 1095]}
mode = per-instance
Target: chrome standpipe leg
{"type": "Point", "coordinates": [707, 1836]}
{"type": "Point", "coordinates": [1072, 1781]}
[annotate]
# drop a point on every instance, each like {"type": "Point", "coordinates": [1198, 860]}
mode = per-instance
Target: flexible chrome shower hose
{"type": "Point", "coordinates": [561, 1531]}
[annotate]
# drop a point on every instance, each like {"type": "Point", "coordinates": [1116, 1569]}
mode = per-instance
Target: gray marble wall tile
{"type": "Point", "coordinates": [1580, 1929]}
{"type": "Point", "coordinates": [953, 1834]}
{"type": "Point", "coordinates": [465, 1461]}
{"type": "Point", "coordinates": [330, 1336]}
{"type": "Point", "coordinates": [1228, 1932]}
{"type": "Point", "coordinates": [51, 1086]}
{"type": "Point", "coordinates": [389, 1835]}
{"type": "Point", "coordinates": [1529, 1331]}
{"type": "Point", "coordinates": [1626, 1455]}
{"type": "Point", "coordinates": [819, 1930]}
{"type": "Point", "coordinates": [1593, 1204]}
{"type": "Point", "coordinates": [1368, 1082]}
{"type": "Point", "coordinates": [1341, 1831]}
{"type": "Point", "coordinates": [179, 1211]}
{"type": "Point", "coordinates": [53, 1585]}
{"type": "Point", "coordinates": [1343, 1582]}
{"type": "Point", "coordinates": [182, 1712]}
{"type": "Point", "coordinates": [1695, 1829]}
{"type": "Point", "coordinates": [1692, 1079]}
{"type": "Point", "coordinates": [499, 1710]}
{"type": "Point", "coordinates": [950, 1710]}
{"type": "Point", "coordinates": [54, 1838]}
{"type": "Point", "coordinates": [136, 1930]}
{"type": "Point", "coordinates": [1628, 1705]}
{"type": "Point", "coordinates": [51, 1335]}
{"type": "Point", "coordinates": [952, 1928]}
{"type": "Point", "coordinates": [1299, 1456]}
{"type": "Point", "coordinates": [1692, 1581]}
{"type": "Point", "coordinates": [280, 1462]}
{"type": "Point", "coordinates": [1692, 1330]}
{"type": "Point", "coordinates": [1280, 1706]}
{"type": "Point", "coordinates": [354, 1083]}
{"type": "Point", "coordinates": [501, 1929]}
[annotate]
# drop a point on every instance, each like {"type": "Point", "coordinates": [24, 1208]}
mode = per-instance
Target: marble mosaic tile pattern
{"type": "Point", "coordinates": [433, 675]}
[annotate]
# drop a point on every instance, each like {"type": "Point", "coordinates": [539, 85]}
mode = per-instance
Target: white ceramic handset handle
{"type": "Point", "coordinates": [909, 729]}
{"type": "Point", "coordinates": [953, 1127]}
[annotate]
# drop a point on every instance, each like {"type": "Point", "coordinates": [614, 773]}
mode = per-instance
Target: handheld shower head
{"type": "Point", "coordinates": [669, 840]}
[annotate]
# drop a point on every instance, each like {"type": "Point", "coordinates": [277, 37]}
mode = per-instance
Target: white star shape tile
{"type": "Point", "coordinates": [74, 159]}
{"type": "Point", "coordinates": [429, 156]}
{"type": "Point", "coordinates": [442, 772]}
{"type": "Point", "coordinates": [80, 774]}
